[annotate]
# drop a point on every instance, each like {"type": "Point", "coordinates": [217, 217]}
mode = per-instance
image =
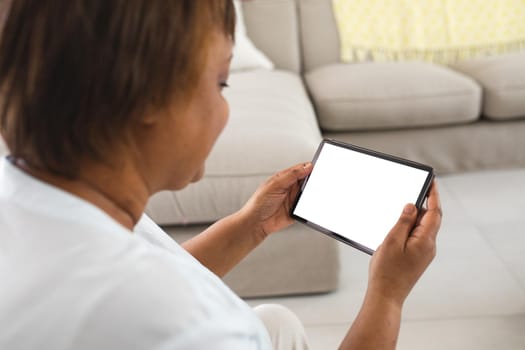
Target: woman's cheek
{"type": "Point", "coordinates": [226, 114]}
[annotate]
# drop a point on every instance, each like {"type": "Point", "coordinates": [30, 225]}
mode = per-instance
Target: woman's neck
{"type": "Point", "coordinates": [119, 191]}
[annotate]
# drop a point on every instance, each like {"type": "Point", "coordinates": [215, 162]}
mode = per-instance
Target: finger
{"type": "Point", "coordinates": [434, 202]}
{"type": "Point", "coordinates": [293, 192]}
{"type": "Point", "coordinates": [430, 221]}
{"type": "Point", "coordinates": [404, 225]}
{"type": "Point", "coordinates": [292, 175]}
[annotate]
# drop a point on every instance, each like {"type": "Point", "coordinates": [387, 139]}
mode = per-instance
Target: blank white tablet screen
{"type": "Point", "coordinates": [358, 196]}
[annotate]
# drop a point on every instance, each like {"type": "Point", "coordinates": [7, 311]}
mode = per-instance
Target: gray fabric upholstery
{"type": "Point", "coordinates": [272, 126]}
{"type": "Point", "coordinates": [503, 81]}
{"type": "Point", "coordinates": [451, 149]}
{"type": "Point", "coordinates": [319, 34]}
{"type": "Point", "coordinates": [272, 26]}
{"type": "Point", "coordinates": [297, 260]}
{"type": "Point", "coordinates": [391, 95]}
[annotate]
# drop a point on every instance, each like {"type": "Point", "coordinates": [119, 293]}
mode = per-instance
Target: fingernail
{"type": "Point", "coordinates": [409, 209]}
{"type": "Point", "coordinates": [307, 165]}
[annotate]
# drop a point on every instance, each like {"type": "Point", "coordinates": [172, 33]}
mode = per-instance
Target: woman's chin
{"type": "Point", "coordinates": [179, 185]}
{"type": "Point", "coordinates": [198, 175]}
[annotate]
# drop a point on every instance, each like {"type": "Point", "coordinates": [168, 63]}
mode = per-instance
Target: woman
{"type": "Point", "coordinates": [104, 104]}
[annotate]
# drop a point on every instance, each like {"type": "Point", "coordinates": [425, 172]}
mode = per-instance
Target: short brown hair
{"type": "Point", "coordinates": [74, 74]}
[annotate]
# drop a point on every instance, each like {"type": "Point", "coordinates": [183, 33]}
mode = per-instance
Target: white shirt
{"type": "Point", "coordinates": [73, 278]}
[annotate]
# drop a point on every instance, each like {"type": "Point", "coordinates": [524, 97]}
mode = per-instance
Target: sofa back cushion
{"type": "Point", "coordinates": [245, 55]}
{"type": "Point", "coordinates": [503, 80]}
{"type": "Point", "coordinates": [319, 34]}
{"type": "Point", "coordinates": [272, 25]}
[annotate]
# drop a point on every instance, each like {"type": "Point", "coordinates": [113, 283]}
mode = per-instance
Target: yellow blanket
{"type": "Point", "coordinates": [441, 31]}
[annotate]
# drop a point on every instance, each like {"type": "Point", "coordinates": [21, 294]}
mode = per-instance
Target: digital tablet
{"type": "Point", "coordinates": [356, 195]}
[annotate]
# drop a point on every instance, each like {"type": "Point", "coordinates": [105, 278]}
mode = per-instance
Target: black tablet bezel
{"type": "Point", "coordinates": [419, 203]}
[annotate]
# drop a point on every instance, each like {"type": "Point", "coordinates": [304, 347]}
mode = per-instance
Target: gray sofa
{"type": "Point", "coordinates": [467, 117]}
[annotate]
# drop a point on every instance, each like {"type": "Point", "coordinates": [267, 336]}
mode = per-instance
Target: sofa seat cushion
{"type": "Point", "coordinates": [272, 126]}
{"type": "Point", "coordinates": [370, 96]}
{"type": "Point", "coordinates": [503, 81]}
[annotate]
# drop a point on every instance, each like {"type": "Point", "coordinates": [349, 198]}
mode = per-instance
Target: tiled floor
{"type": "Point", "coordinates": [472, 296]}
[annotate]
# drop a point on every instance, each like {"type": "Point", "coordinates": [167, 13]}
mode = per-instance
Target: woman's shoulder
{"type": "Point", "coordinates": [135, 297]}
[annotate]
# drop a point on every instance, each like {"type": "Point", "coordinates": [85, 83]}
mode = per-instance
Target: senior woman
{"type": "Point", "coordinates": [104, 103]}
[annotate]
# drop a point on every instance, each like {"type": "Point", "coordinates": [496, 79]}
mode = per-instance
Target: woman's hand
{"type": "Point", "coordinates": [268, 210]}
{"type": "Point", "coordinates": [394, 269]}
{"type": "Point", "coordinates": [406, 252]}
{"type": "Point", "coordinates": [224, 244]}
